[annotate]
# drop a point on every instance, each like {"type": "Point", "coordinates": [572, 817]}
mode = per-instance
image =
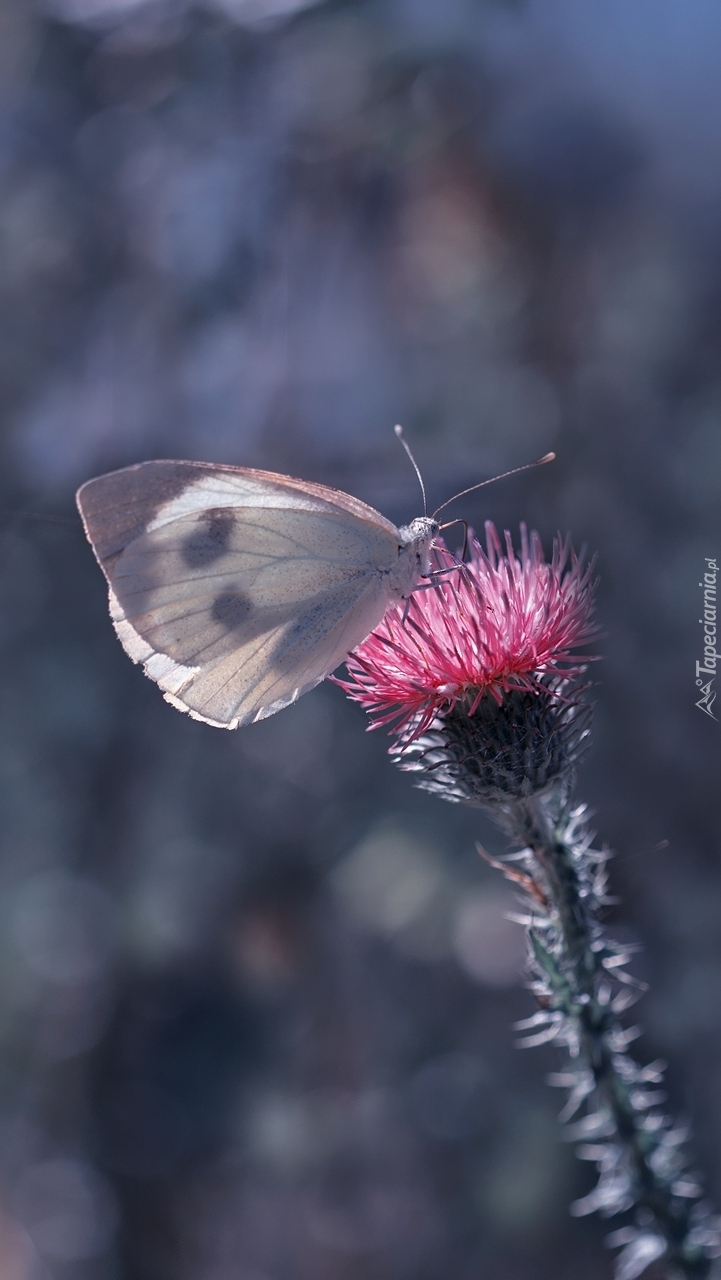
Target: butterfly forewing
{"type": "Point", "coordinates": [238, 590]}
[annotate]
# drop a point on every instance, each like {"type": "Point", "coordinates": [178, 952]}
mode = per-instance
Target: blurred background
{"type": "Point", "coordinates": [256, 992]}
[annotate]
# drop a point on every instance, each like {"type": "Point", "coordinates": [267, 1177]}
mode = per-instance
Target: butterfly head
{"type": "Point", "coordinates": [416, 540]}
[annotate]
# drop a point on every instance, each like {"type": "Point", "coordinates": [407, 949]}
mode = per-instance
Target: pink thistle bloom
{"type": "Point", "coordinates": [500, 623]}
{"type": "Point", "coordinates": [504, 625]}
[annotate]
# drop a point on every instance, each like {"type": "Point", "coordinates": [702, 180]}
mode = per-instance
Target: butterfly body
{"type": "Point", "coordinates": [238, 589]}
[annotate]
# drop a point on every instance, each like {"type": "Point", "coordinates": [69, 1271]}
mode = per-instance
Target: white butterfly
{"type": "Point", "coordinates": [240, 590]}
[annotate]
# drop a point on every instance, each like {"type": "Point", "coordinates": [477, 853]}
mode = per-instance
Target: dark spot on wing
{"type": "Point", "coordinates": [210, 539]}
{"type": "Point", "coordinates": [232, 609]}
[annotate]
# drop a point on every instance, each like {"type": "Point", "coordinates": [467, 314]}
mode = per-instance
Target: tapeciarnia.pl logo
{"type": "Point", "coordinates": [708, 622]}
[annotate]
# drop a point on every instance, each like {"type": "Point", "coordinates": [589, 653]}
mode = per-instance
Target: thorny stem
{"type": "Point", "coordinates": [581, 988]}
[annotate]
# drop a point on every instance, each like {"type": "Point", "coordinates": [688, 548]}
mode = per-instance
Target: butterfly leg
{"type": "Point", "coordinates": [465, 534]}
{"type": "Point", "coordinates": [438, 573]}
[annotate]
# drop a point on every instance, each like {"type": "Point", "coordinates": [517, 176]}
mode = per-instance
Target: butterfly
{"type": "Point", "coordinates": [239, 590]}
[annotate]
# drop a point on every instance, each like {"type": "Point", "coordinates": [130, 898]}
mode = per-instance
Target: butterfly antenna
{"type": "Point", "coordinates": [547, 457]}
{"type": "Point", "coordinates": [399, 432]}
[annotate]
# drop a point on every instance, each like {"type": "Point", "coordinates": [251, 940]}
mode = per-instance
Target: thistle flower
{"type": "Point", "coordinates": [479, 682]}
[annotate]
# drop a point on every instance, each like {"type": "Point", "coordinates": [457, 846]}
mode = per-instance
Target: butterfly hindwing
{"type": "Point", "coordinates": [270, 671]}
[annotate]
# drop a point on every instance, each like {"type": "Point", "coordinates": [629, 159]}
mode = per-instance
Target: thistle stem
{"type": "Point", "coordinates": [581, 988]}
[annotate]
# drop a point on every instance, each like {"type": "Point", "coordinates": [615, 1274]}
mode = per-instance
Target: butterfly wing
{"type": "Point", "coordinates": [238, 590]}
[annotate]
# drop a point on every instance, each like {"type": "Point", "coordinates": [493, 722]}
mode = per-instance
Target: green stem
{"type": "Point", "coordinates": [576, 963]}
